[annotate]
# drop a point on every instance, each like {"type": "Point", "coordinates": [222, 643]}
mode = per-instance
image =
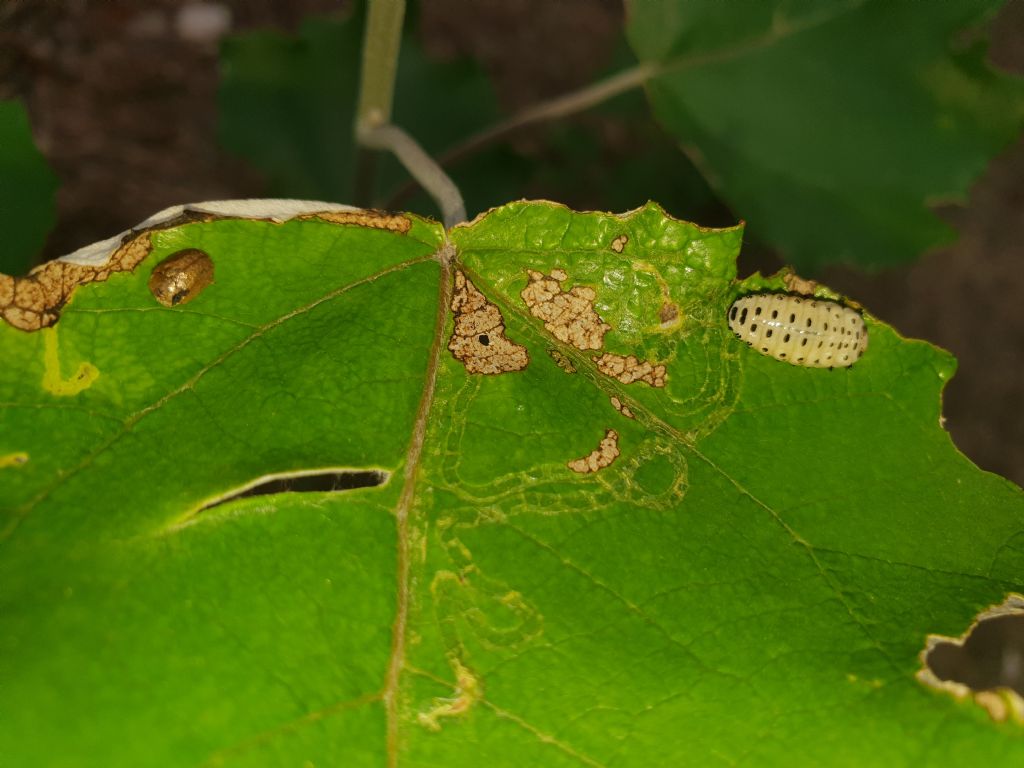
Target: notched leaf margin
{"type": "Point", "coordinates": [1001, 703]}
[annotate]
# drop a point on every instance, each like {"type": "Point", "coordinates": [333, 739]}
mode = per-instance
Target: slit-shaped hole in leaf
{"type": "Point", "coordinates": [986, 662]}
{"type": "Point", "coordinates": [317, 481]}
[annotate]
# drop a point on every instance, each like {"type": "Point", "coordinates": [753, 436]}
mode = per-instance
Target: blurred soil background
{"type": "Point", "coordinates": [122, 97]}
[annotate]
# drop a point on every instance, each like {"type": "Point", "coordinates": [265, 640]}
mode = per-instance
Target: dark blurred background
{"type": "Point", "coordinates": [122, 98]}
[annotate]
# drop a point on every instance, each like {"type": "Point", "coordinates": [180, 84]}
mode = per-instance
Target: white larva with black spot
{"type": "Point", "coordinates": [799, 329]}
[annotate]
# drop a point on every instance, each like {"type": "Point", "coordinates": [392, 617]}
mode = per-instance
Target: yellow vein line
{"type": "Point", "coordinates": [541, 736]}
{"type": "Point", "coordinates": [136, 417]}
{"type": "Point", "coordinates": [630, 606]}
{"type": "Point", "coordinates": [807, 547]}
{"type": "Point", "coordinates": [405, 502]}
{"type": "Point", "coordinates": [504, 714]}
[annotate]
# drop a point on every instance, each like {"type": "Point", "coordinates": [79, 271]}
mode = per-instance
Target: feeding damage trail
{"type": "Point", "coordinates": [569, 316]}
{"type": "Point", "coordinates": [478, 339]}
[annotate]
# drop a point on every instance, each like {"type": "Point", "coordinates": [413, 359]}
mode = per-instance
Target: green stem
{"type": "Point", "coordinates": [381, 44]}
{"type": "Point", "coordinates": [422, 167]}
{"type": "Point", "coordinates": [545, 111]}
{"type": "Point", "coordinates": [553, 109]}
{"type": "Point", "coordinates": [373, 119]}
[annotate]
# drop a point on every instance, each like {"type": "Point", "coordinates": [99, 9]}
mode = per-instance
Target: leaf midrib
{"type": "Point", "coordinates": [396, 659]}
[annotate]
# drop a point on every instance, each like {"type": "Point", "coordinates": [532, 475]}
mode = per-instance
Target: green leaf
{"type": "Point", "coordinates": [26, 194]}
{"type": "Point", "coordinates": [751, 578]}
{"type": "Point", "coordinates": [830, 128]}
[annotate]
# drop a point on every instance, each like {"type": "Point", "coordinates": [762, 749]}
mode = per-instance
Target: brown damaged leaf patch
{"type": "Point", "coordinates": [796, 284]}
{"type": "Point", "coordinates": [668, 314]}
{"type": "Point", "coordinates": [478, 339]}
{"type": "Point", "coordinates": [392, 222]}
{"type": "Point", "coordinates": [35, 300]}
{"type": "Point", "coordinates": [568, 315]}
{"type": "Point", "coordinates": [600, 457]}
{"type": "Point", "coordinates": [622, 408]}
{"type": "Point", "coordinates": [619, 243]}
{"type": "Point", "coordinates": [628, 369]}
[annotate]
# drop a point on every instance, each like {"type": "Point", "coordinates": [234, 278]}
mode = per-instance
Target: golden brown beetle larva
{"type": "Point", "coordinates": [800, 330]}
{"type": "Point", "coordinates": [181, 277]}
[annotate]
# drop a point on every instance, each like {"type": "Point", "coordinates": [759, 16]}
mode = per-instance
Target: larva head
{"type": "Point", "coordinates": [799, 329]}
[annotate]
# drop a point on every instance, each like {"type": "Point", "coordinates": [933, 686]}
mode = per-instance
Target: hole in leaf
{"type": "Point", "coordinates": [335, 481]}
{"type": "Point", "coordinates": [992, 656]}
{"type": "Point", "coordinates": [986, 662]}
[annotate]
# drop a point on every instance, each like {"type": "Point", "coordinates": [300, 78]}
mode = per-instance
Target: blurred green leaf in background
{"type": "Point", "coordinates": [27, 189]}
{"type": "Point", "coordinates": [830, 127]}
